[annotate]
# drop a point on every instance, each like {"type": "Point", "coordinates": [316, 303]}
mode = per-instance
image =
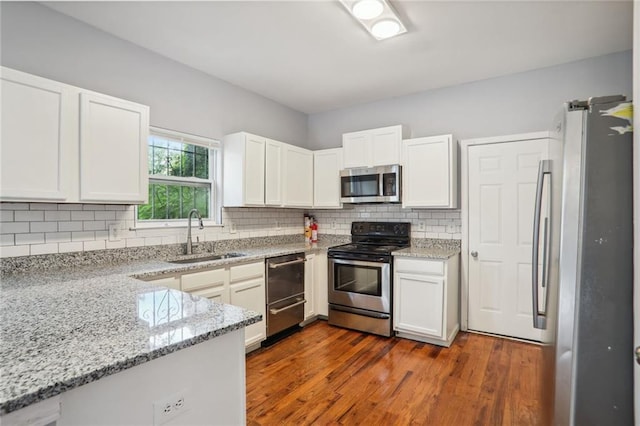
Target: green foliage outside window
{"type": "Point", "coordinates": [176, 185]}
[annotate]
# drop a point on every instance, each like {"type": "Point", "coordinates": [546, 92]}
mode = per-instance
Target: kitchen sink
{"type": "Point", "coordinates": [207, 258]}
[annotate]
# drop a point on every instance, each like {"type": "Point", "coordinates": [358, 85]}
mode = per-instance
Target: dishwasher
{"type": "Point", "coordinates": [285, 295]}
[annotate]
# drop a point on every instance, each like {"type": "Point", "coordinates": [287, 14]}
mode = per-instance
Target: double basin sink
{"type": "Point", "coordinates": [207, 258]}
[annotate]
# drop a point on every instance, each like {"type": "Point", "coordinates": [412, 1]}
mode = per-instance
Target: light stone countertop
{"type": "Point", "coordinates": [437, 253]}
{"type": "Point", "coordinates": [62, 328]}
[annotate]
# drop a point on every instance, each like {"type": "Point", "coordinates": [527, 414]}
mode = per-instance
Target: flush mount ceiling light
{"type": "Point", "coordinates": [376, 16]}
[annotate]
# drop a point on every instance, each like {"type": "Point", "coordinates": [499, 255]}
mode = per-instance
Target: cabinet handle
{"type": "Point", "coordinates": [292, 262]}
{"type": "Point", "coordinates": [277, 311]}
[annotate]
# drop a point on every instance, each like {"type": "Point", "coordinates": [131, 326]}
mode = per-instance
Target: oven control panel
{"type": "Point", "coordinates": [391, 229]}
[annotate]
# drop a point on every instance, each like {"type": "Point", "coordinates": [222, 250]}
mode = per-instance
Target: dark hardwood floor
{"type": "Point", "coordinates": [327, 375]}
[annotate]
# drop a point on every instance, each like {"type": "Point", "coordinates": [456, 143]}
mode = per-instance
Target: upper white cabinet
{"type": "Point", "coordinates": [430, 172]}
{"type": "Point", "coordinates": [264, 172]}
{"type": "Point", "coordinates": [113, 150]}
{"type": "Point", "coordinates": [298, 177]}
{"type": "Point", "coordinates": [273, 173]}
{"type": "Point", "coordinates": [327, 164]}
{"type": "Point", "coordinates": [374, 147]}
{"type": "Point", "coordinates": [65, 144]}
{"type": "Point", "coordinates": [244, 170]}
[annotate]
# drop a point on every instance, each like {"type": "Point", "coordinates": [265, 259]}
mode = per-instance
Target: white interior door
{"type": "Point", "coordinates": [502, 181]}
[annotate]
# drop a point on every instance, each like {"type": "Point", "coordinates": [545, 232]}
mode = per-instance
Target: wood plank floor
{"type": "Point", "coordinates": [327, 375]}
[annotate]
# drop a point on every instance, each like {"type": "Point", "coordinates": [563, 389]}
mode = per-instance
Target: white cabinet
{"type": "Point", "coordinates": [426, 305]}
{"type": "Point", "coordinates": [430, 172]}
{"type": "Point", "coordinates": [247, 289]}
{"type": "Point", "coordinates": [240, 285]}
{"type": "Point", "coordinates": [321, 284]}
{"type": "Point", "coordinates": [273, 173]}
{"type": "Point", "coordinates": [244, 170]}
{"type": "Point", "coordinates": [327, 164]}
{"type": "Point", "coordinates": [113, 150]}
{"type": "Point", "coordinates": [65, 144]}
{"type": "Point", "coordinates": [309, 284]}
{"type": "Point", "coordinates": [374, 147]}
{"type": "Point", "coordinates": [298, 177]}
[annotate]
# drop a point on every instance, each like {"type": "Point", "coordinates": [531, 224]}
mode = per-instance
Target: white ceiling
{"type": "Point", "coordinates": [313, 57]}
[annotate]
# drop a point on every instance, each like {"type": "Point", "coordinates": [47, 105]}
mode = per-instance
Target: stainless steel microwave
{"type": "Point", "coordinates": [382, 184]}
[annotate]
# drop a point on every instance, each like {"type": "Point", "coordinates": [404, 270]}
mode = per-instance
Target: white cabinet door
{"type": "Point", "coordinates": [419, 302]}
{"type": "Point", "coordinates": [250, 294]}
{"type": "Point", "coordinates": [357, 149]}
{"type": "Point", "coordinates": [309, 284]}
{"type": "Point", "coordinates": [429, 174]}
{"type": "Point", "coordinates": [273, 173]}
{"type": "Point", "coordinates": [321, 284]}
{"type": "Point", "coordinates": [386, 145]}
{"type": "Point", "coordinates": [374, 147]}
{"type": "Point", "coordinates": [243, 169]}
{"type": "Point", "coordinates": [113, 150]}
{"type": "Point", "coordinates": [298, 177]}
{"type": "Point", "coordinates": [171, 282]}
{"type": "Point", "coordinates": [327, 164]}
{"type": "Point", "coordinates": [39, 135]}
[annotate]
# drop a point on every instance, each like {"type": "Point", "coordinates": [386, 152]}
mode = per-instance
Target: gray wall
{"type": "Point", "coordinates": [40, 41]}
{"type": "Point", "coordinates": [517, 103]}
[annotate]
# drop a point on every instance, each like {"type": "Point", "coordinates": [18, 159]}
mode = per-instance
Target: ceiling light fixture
{"type": "Point", "coordinates": [376, 16]}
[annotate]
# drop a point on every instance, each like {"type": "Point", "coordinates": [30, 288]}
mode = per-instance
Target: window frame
{"type": "Point", "coordinates": [215, 178]}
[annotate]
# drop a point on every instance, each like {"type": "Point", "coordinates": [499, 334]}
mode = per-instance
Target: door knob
{"type": "Point", "coordinates": [474, 254]}
{"type": "Point", "coordinates": [638, 354]}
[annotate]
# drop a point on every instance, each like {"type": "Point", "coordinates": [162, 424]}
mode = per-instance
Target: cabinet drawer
{"type": "Point", "coordinates": [171, 282]}
{"type": "Point", "coordinates": [248, 271]}
{"type": "Point", "coordinates": [419, 266]}
{"type": "Point", "coordinates": [198, 280]}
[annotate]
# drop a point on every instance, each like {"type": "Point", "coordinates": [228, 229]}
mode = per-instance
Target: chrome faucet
{"type": "Point", "coordinates": [189, 249]}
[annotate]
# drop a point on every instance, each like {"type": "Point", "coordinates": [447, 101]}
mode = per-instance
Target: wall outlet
{"type": "Point", "coordinates": [421, 226]}
{"type": "Point", "coordinates": [333, 225]}
{"type": "Point", "coordinates": [114, 232]}
{"type": "Point", "coordinates": [170, 407]}
{"type": "Point", "coordinates": [232, 228]}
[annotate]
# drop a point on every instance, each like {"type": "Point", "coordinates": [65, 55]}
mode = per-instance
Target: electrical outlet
{"type": "Point", "coordinates": [114, 232]}
{"type": "Point", "coordinates": [232, 228]}
{"type": "Point", "coordinates": [333, 225]}
{"type": "Point", "coordinates": [421, 226]}
{"type": "Point", "coordinates": [170, 407]}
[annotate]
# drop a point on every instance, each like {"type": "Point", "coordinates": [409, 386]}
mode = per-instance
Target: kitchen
{"type": "Point", "coordinates": [39, 40]}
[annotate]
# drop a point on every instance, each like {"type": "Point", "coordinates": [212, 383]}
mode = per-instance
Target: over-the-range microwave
{"type": "Point", "coordinates": [382, 184]}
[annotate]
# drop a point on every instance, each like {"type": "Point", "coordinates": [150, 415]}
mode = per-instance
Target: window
{"type": "Point", "coordinates": [182, 176]}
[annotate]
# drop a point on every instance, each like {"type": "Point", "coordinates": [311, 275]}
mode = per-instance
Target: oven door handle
{"type": "Point", "coordinates": [293, 305]}
{"type": "Point", "coordinates": [356, 262]}
{"type": "Point", "coordinates": [291, 262]}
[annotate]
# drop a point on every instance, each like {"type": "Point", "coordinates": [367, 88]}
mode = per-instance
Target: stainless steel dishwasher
{"type": "Point", "coordinates": [285, 295]}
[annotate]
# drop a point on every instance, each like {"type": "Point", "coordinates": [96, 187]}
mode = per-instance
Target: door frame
{"type": "Point", "coordinates": [465, 144]}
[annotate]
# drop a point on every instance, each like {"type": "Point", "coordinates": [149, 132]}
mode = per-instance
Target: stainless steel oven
{"type": "Point", "coordinates": [360, 276]}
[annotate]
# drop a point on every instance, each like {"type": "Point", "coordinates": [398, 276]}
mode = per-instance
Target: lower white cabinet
{"type": "Point", "coordinates": [426, 299]}
{"type": "Point", "coordinates": [240, 285]}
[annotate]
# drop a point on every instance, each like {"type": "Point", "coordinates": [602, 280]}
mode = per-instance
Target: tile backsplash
{"type": "Point", "coordinates": [443, 224]}
{"type": "Point", "coordinates": [45, 228]}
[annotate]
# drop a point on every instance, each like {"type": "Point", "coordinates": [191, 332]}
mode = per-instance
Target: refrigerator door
{"type": "Point", "coordinates": [593, 339]}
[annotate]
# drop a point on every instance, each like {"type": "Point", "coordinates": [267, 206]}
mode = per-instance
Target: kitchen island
{"type": "Point", "coordinates": [93, 345]}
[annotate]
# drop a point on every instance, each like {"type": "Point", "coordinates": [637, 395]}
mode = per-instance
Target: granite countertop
{"type": "Point", "coordinates": [67, 327]}
{"type": "Point", "coordinates": [439, 253]}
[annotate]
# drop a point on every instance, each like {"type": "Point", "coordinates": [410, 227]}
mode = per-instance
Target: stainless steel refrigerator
{"type": "Point", "coordinates": [583, 246]}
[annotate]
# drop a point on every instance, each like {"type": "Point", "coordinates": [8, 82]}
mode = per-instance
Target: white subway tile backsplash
{"type": "Point", "coordinates": [14, 251]}
{"type": "Point", "coordinates": [93, 207]}
{"type": "Point", "coordinates": [94, 225]}
{"type": "Point", "coordinates": [34, 238]}
{"type": "Point", "coordinates": [83, 215]}
{"type": "Point", "coordinates": [116, 244]}
{"type": "Point", "coordinates": [70, 247]}
{"type": "Point", "coordinates": [43, 226]}
{"type": "Point", "coordinates": [153, 241]}
{"type": "Point", "coordinates": [69, 226]}
{"type": "Point", "coordinates": [44, 248]}
{"type": "Point", "coordinates": [28, 216]}
{"type": "Point", "coordinates": [83, 236]}
{"type": "Point", "coordinates": [6, 215]}
{"type": "Point", "coordinates": [57, 216]}
{"type": "Point", "coordinates": [94, 245]}
{"type": "Point", "coordinates": [57, 237]}
{"type": "Point", "coordinates": [14, 227]}
{"type": "Point", "coordinates": [14, 206]}
{"type": "Point", "coordinates": [69, 206]}
{"type": "Point", "coordinates": [7, 240]}
{"type": "Point", "coordinates": [43, 206]}
{"type": "Point", "coordinates": [106, 215]}
{"type": "Point", "coordinates": [135, 242]}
